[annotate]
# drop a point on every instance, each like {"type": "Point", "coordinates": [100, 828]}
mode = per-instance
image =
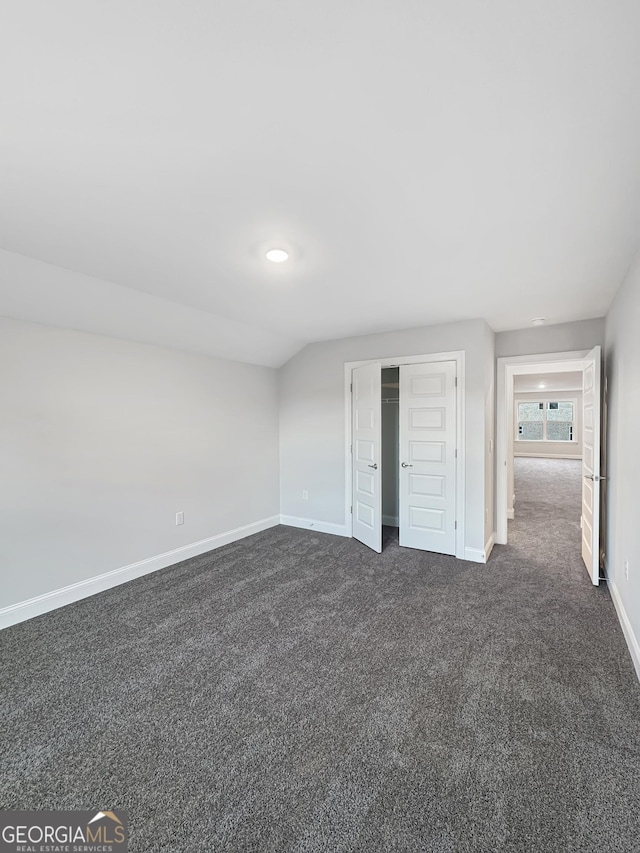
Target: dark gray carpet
{"type": "Point", "coordinates": [295, 692]}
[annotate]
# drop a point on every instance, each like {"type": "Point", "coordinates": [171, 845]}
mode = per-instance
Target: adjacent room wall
{"type": "Point", "coordinates": [622, 370]}
{"type": "Point", "coordinates": [102, 441]}
{"type": "Point", "coordinates": [312, 420]}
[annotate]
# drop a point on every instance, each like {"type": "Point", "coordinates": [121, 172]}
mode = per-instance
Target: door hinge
{"type": "Point", "coordinates": [351, 510]}
{"type": "Point", "coordinates": [455, 525]}
{"type": "Point", "coordinates": [455, 381]}
{"type": "Point", "coordinates": [351, 449]}
{"type": "Point", "coordinates": [455, 453]}
{"type": "Point", "coordinates": [351, 387]}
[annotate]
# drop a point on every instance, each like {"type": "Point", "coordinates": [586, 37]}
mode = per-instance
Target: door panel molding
{"type": "Point", "coordinates": [427, 491]}
{"type": "Point", "coordinates": [366, 405]}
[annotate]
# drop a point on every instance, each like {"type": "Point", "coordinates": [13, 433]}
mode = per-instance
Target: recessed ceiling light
{"type": "Point", "coordinates": [277, 256]}
{"type": "Point", "coordinates": [542, 385]}
{"type": "Point", "coordinates": [538, 321]}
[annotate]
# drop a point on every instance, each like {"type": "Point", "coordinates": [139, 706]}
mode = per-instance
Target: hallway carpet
{"type": "Point", "coordinates": [296, 692]}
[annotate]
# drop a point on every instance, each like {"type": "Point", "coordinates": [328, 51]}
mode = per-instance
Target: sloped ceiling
{"type": "Point", "coordinates": [422, 162]}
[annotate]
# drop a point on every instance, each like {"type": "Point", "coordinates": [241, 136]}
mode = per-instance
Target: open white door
{"type": "Point", "coordinates": [590, 519]}
{"type": "Point", "coordinates": [366, 405]}
{"type": "Point", "coordinates": [428, 456]}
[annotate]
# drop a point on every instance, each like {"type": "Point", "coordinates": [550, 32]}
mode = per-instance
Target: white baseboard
{"type": "Point", "coordinates": [627, 630]}
{"type": "Point", "coordinates": [488, 548]}
{"type": "Point", "coordinates": [24, 610]}
{"type": "Point", "coordinates": [475, 555]}
{"type": "Point", "coordinates": [511, 514]}
{"type": "Point", "coordinates": [312, 524]}
{"type": "Point", "coordinates": [548, 455]}
{"type": "Point", "coordinates": [390, 521]}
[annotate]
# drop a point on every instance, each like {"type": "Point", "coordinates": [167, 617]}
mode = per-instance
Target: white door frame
{"type": "Point", "coordinates": [507, 368]}
{"type": "Point", "coordinates": [395, 361]}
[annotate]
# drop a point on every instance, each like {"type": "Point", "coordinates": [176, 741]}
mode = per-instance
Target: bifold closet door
{"type": "Point", "coordinates": [428, 456]}
{"type": "Point", "coordinates": [366, 454]}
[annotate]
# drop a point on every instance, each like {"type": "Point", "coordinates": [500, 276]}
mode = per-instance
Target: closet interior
{"type": "Point", "coordinates": [390, 446]}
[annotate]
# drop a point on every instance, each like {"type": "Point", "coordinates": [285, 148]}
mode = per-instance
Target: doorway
{"type": "Point", "coordinates": [546, 467]}
{"type": "Point", "coordinates": [548, 408]}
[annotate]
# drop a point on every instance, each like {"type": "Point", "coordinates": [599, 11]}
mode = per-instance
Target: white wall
{"type": "Point", "coordinates": [312, 418]}
{"type": "Point", "coordinates": [563, 337]}
{"type": "Point", "coordinates": [549, 449]}
{"type": "Point", "coordinates": [102, 441]}
{"type": "Point", "coordinates": [622, 367]}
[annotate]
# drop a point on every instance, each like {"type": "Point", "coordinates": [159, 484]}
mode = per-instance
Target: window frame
{"type": "Point", "coordinates": [545, 403]}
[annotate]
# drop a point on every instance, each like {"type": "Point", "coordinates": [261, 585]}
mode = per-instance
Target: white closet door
{"type": "Point", "coordinates": [590, 519]}
{"type": "Point", "coordinates": [366, 402]}
{"type": "Point", "coordinates": [428, 456]}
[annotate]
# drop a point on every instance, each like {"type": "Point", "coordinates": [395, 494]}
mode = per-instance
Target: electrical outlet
{"type": "Point", "coordinates": [179, 518]}
{"type": "Point", "coordinates": [305, 495]}
{"type": "Point", "coordinates": [626, 569]}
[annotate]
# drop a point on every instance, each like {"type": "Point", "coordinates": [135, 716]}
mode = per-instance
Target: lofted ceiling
{"type": "Point", "coordinates": [423, 161]}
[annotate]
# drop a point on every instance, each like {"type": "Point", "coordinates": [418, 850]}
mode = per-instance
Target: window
{"type": "Point", "coordinates": [531, 421]}
{"type": "Point", "coordinates": [559, 421]}
{"type": "Point", "coordinates": [545, 421]}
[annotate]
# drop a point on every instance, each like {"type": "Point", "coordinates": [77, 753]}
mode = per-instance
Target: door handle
{"type": "Point", "coordinates": [406, 465]}
{"type": "Point", "coordinates": [375, 466]}
{"type": "Point", "coordinates": [594, 477]}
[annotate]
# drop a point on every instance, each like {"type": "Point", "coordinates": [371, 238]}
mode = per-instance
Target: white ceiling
{"type": "Point", "coordinates": [567, 381]}
{"type": "Point", "coordinates": [424, 161]}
